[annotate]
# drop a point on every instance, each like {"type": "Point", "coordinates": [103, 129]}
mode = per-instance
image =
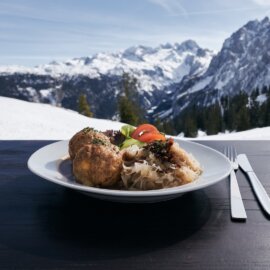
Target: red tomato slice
{"type": "Point", "coordinates": [150, 137]}
{"type": "Point", "coordinates": [142, 129]}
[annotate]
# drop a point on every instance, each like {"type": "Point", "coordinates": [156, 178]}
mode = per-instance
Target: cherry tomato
{"type": "Point", "coordinates": [150, 137]}
{"type": "Point", "coordinates": [142, 129]}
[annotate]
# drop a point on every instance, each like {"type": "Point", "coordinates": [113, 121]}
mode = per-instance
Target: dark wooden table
{"type": "Point", "coordinates": [45, 226]}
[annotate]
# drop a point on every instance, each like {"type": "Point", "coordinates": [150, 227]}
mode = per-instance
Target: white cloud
{"type": "Point", "coordinates": [262, 2]}
{"type": "Point", "coordinates": [175, 8]}
{"type": "Point", "coordinates": [172, 7]}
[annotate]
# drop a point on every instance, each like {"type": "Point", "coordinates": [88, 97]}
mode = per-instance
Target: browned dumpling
{"type": "Point", "coordinates": [84, 137]}
{"type": "Point", "coordinates": [98, 165]}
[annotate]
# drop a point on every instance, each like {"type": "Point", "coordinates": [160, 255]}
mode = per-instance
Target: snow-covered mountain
{"type": "Point", "coordinates": [171, 77]}
{"type": "Point", "coordinates": [243, 64]}
{"type": "Point", "coordinates": [244, 60]}
{"type": "Point", "coordinates": [98, 76]}
{"type": "Point", "coordinates": [154, 67]}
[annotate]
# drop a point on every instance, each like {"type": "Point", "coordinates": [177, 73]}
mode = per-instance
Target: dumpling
{"type": "Point", "coordinates": [98, 165]}
{"type": "Point", "coordinates": [84, 137]}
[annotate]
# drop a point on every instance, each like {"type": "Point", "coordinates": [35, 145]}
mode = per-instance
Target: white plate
{"type": "Point", "coordinates": [51, 163]}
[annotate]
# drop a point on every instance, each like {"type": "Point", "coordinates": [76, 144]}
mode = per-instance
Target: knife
{"type": "Point", "coordinates": [255, 182]}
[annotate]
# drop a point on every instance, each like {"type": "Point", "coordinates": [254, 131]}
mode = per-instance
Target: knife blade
{"type": "Point", "coordinates": [257, 186]}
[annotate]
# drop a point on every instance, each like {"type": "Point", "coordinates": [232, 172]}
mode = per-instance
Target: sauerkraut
{"type": "Point", "coordinates": [158, 165]}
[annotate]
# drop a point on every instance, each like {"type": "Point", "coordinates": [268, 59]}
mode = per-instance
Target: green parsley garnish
{"type": "Point", "coordinates": [87, 129]}
{"type": "Point", "coordinates": [98, 141]}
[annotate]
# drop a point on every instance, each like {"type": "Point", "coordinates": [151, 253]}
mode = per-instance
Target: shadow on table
{"type": "Point", "coordinates": [63, 224]}
{"type": "Point", "coordinates": [93, 229]}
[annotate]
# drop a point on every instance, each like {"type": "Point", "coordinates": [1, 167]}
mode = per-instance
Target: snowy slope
{"type": "Point", "coordinates": [21, 120]}
{"type": "Point", "coordinates": [252, 134]}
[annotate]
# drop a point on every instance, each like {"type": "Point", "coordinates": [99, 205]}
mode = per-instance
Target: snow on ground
{"type": "Point", "coordinates": [22, 120]}
{"type": "Point", "coordinates": [252, 134]}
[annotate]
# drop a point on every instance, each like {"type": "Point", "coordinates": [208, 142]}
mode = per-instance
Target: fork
{"type": "Point", "coordinates": [237, 206]}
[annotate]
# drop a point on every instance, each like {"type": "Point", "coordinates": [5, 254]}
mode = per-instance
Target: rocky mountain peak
{"type": "Point", "coordinates": [188, 45]}
{"type": "Point", "coordinates": [242, 64]}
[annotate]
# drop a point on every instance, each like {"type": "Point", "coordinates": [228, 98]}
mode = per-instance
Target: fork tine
{"type": "Point", "coordinates": [230, 153]}
{"type": "Point", "coordinates": [225, 151]}
{"type": "Point", "coordinates": [235, 158]}
{"type": "Point", "coordinates": [235, 153]}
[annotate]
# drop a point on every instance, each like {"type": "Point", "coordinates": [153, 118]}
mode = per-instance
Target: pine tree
{"type": "Point", "coordinates": [237, 114]}
{"type": "Point", "coordinates": [213, 119]}
{"type": "Point", "coordinates": [130, 111]}
{"type": "Point", "coordinates": [127, 111]}
{"type": "Point", "coordinates": [263, 115]}
{"type": "Point", "coordinates": [243, 121]}
{"type": "Point", "coordinates": [267, 109]}
{"type": "Point", "coordinates": [190, 122]}
{"type": "Point", "coordinates": [200, 118]}
{"type": "Point", "coordinates": [165, 126]}
{"type": "Point", "coordinates": [84, 107]}
{"type": "Point", "coordinates": [169, 128]}
{"type": "Point", "coordinates": [224, 116]}
{"type": "Point", "coordinates": [190, 127]}
{"type": "Point", "coordinates": [159, 124]}
{"type": "Point", "coordinates": [242, 112]}
{"type": "Point", "coordinates": [254, 110]}
{"type": "Point", "coordinates": [264, 89]}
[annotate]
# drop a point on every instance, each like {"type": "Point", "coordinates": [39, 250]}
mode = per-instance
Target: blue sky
{"type": "Point", "coordinates": [34, 32]}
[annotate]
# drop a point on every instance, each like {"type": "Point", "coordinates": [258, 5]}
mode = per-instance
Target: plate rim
{"type": "Point", "coordinates": [131, 193]}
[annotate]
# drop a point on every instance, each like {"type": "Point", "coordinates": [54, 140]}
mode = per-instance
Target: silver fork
{"type": "Point", "coordinates": [237, 207]}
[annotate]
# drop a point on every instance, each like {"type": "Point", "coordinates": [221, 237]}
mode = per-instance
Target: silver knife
{"type": "Point", "coordinates": [255, 182]}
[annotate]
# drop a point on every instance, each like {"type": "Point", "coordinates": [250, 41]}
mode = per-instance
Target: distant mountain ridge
{"type": "Point", "coordinates": [171, 77]}
{"type": "Point", "coordinates": [162, 65]}
{"type": "Point", "coordinates": [98, 76]}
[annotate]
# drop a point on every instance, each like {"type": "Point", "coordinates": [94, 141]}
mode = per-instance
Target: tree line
{"type": "Point", "coordinates": [232, 113]}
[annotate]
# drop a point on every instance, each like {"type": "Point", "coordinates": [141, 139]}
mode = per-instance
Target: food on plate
{"type": "Point", "coordinates": [145, 129]}
{"type": "Point", "coordinates": [159, 164]}
{"type": "Point", "coordinates": [84, 137]}
{"type": "Point", "coordinates": [98, 164]}
{"type": "Point", "coordinates": [139, 158]}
